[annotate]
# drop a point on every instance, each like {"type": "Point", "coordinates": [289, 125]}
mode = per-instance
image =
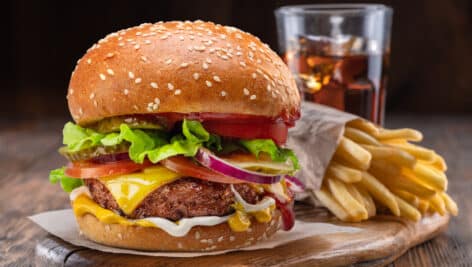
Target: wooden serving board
{"type": "Point", "coordinates": [382, 240]}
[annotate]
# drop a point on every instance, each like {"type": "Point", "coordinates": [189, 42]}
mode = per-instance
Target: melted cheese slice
{"type": "Point", "coordinates": [129, 190]}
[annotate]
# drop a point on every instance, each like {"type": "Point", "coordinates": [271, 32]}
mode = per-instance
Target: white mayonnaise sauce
{"type": "Point", "coordinates": [263, 204]}
{"type": "Point", "coordinates": [79, 191]}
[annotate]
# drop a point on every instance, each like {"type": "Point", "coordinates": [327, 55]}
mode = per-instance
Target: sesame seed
{"type": "Point", "coordinates": [196, 75]}
{"type": "Point", "coordinates": [253, 97]}
{"type": "Point", "coordinates": [154, 85]}
{"type": "Point", "coordinates": [225, 57]}
{"type": "Point", "coordinates": [210, 241]}
{"type": "Point", "coordinates": [220, 239]}
{"type": "Point", "coordinates": [170, 86]}
{"type": "Point", "coordinates": [203, 241]}
{"type": "Point", "coordinates": [238, 53]}
{"type": "Point", "coordinates": [181, 38]}
{"type": "Point", "coordinates": [208, 60]}
{"type": "Point", "coordinates": [71, 91]}
{"type": "Point", "coordinates": [144, 59]}
{"type": "Point", "coordinates": [254, 75]}
{"type": "Point", "coordinates": [89, 61]}
{"type": "Point", "coordinates": [147, 42]}
{"type": "Point", "coordinates": [179, 245]}
{"type": "Point", "coordinates": [126, 92]}
{"type": "Point", "coordinates": [197, 235]}
{"type": "Point", "coordinates": [138, 33]}
{"type": "Point", "coordinates": [232, 238]}
{"type": "Point", "coordinates": [168, 61]}
{"type": "Point", "coordinates": [246, 91]}
{"type": "Point", "coordinates": [239, 36]}
{"type": "Point", "coordinates": [121, 44]}
{"type": "Point", "coordinates": [120, 236]}
{"type": "Point", "coordinates": [183, 65]}
{"type": "Point", "coordinates": [157, 100]}
{"type": "Point", "coordinates": [251, 54]}
{"type": "Point", "coordinates": [131, 75]}
{"type": "Point", "coordinates": [208, 83]}
{"type": "Point", "coordinates": [95, 103]}
{"type": "Point", "coordinates": [199, 48]}
{"type": "Point", "coordinates": [242, 64]}
{"type": "Point", "coordinates": [205, 66]}
{"type": "Point", "coordinates": [102, 76]}
{"type": "Point", "coordinates": [249, 230]}
{"type": "Point", "coordinates": [177, 92]}
{"type": "Point", "coordinates": [216, 78]}
{"type": "Point", "coordinates": [109, 55]}
{"type": "Point", "coordinates": [137, 46]}
{"type": "Point", "coordinates": [110, 71]}
{"type": "Point", "coordinates": [191, 37]}
{"type": "Point", "coordinates": [137, 80]}
{"type": "Point", "coordinates": [223, 93]}
{"type": "Point", "coordinates": [269, 88]}
{"type": "Point", "coordinates": [92, 95]}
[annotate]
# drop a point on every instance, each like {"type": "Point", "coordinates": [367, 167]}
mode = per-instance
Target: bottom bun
{"type": "Point", "coordinates": [199, 238]}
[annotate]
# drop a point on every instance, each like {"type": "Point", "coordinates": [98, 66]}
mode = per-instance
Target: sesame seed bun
{"type": "Point", "coordinates": [200, 238]}
{"type": "Point", "coordinates": [182, 67]}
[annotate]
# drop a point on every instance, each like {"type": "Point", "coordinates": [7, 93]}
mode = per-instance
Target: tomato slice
{"type": "Point", "coordinates": [276, 131]}
{"type": "Point", "coordinates": [95, 170]}
{"type": "Point", "coordinates": [186, 167]}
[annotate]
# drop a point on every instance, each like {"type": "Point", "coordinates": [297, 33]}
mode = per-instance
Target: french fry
{"type": "Point", "coordinates": [353, 154]}
{"type": "Point", "coordinates": [437, 203]}
{"type": "Point", "coordinates": [368, 201]}
{"type": "Point", "coordinates": [419, 152]}
{"type": "Point", "coordinates": [380, 192]}
{"type": "Point", "coordinates": [407, 210]}
{"type": "Point", "coordinates": [350, 204]}
{"type": "Point", "coordinates": [384, 168]}
{"type": "Point", "coordinates": [394, 155]}
{"type": "Point", "coordinates": [364, 126]}
{"type": "Point", "coordinates": [423, 206]}
{"type": "Point", "coordinates": [407, 134]}
{"type": "Point", "coordinates": [331, 204]}
{"type": "Point", "coordinates": [360, 137]}
{"type": "Point", "coordinates": [352, 189]}
{"type": "Point", "coordinates": [408, 197]}
{"type": "Point", "coordinates": [409, 184]}
{"type": "Point", "coordinates": [343, 173]}
{"type": "Point", "coordinates": [451, 205]}
{"type": "Point", "coordinates": [439, 163]}
{"type": "Point", "coordinates": [430, 176]}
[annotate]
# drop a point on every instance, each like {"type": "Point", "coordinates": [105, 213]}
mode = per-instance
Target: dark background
{"type": "Point", "coordinates": [42, 40]}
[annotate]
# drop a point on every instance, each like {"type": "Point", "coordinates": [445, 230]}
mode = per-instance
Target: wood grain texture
{"type": "Point", "coordinates": [28, 152]}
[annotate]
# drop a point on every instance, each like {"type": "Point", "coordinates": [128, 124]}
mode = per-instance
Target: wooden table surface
{"type": "Point", "coordinates": [28, 152]}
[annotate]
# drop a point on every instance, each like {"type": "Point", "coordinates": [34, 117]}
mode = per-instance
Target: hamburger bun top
{"type": "Point", "coordinates": [182, 67]}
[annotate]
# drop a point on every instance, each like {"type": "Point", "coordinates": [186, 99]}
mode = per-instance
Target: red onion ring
{"type": "Point", "coordinates": [207, 159]}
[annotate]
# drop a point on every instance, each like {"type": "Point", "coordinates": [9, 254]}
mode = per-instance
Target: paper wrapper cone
{"type": "Point", "coordinates": [314, 140]}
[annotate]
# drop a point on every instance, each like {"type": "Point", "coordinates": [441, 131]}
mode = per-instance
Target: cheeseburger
{"type": "Point", "coordinates": [178, 139]}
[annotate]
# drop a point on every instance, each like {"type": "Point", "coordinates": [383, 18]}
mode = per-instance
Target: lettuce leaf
{"type": "Point", "coordinates": [67, 183]}
{"type": "Point", "coordinates": [77, 138]}
{"type": "Point", "coordinates": [256, 146]}
{"type": "Point", "coordinates": [157, 145]}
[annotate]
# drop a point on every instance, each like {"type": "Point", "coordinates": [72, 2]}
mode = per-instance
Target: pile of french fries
{"type": "Point", "coordinates": [374, 168]}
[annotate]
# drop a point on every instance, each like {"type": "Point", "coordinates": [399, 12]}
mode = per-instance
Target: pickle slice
{"type": "Point", "coordinates": [113, 124]}
{"type": "Point", "coordinates": [93, 152]}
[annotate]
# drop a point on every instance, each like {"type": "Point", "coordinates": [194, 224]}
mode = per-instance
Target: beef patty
{"type": "Point", "coordinates": [183, 198]}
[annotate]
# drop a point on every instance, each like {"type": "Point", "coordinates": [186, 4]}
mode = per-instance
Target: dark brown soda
{"type": "Point", "coordinates": [354, 82]}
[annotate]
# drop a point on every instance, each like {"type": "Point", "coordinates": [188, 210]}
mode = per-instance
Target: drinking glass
{"type": "Point", "coordinates": [339, 54]}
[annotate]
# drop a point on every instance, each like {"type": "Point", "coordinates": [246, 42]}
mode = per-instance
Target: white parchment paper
{"type": "Point", "coordinates": [314, 140]}
{"type": "Point", "coordinates": [62, 224]}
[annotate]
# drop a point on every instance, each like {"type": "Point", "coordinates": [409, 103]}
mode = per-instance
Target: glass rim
{"type": "Point", "coordinates": [332, 9]}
